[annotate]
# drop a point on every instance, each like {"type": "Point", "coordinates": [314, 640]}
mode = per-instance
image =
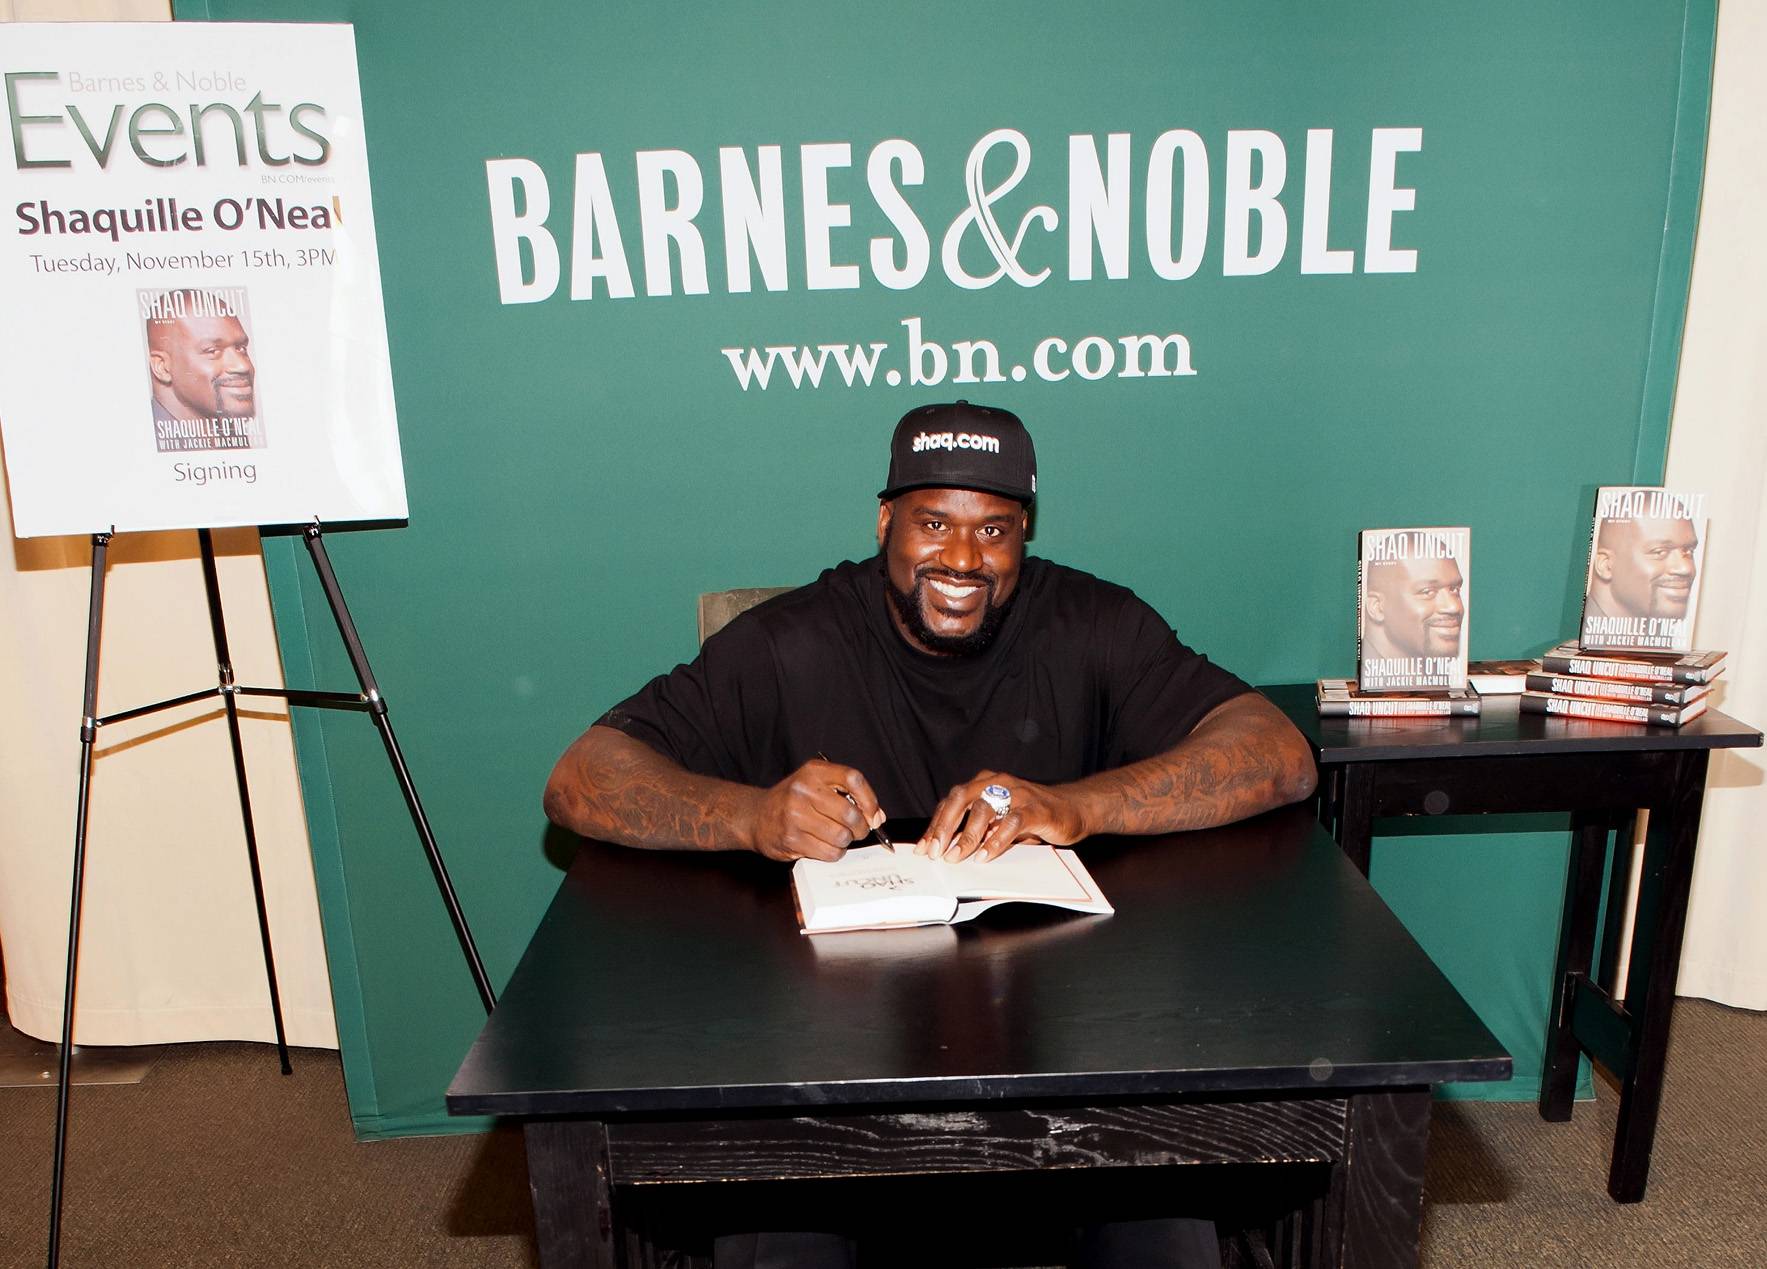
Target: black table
{"type": "Point", "coordinates": [1252, 1002]}
{"type": "Point", "coordinates": [1603, 774]}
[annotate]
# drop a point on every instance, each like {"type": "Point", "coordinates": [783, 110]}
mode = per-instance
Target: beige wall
{"type": "Point", "coordinates": [170, 947]}
{"type": "Point", "coordinates": [85, 10]}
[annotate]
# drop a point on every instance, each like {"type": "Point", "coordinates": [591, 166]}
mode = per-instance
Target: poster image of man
{"type": "Point", "coordinates": [1643, 567]}
{"type": "Point", "coordinates": [1412, 601]}
{"type": "Point", "coordinates": [1413, 608]}
{"type": "Point", "coordinates": [200, 369]}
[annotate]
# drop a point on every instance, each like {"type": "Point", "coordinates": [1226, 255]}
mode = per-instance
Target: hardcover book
{"type": "Point", "coordinates": [1611, 711]}
{"type": "Point", "coordinates": [1412, 592]}
{"type": "Point", "coordinates": [1618, 689]}
{"type": "Point", "coordinates": [1686, 667]}
{"type": "Point", "coordinates": [874, 887]}
{"type": "Point", "coordinates": [1340, 698]}
{"type": "Point", "coordinates": [1646, 549]}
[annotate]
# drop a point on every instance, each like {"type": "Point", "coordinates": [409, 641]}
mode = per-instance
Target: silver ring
{"type": "Point", "coordinates": [999, 797]}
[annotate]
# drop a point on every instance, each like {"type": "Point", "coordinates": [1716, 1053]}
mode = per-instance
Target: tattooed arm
{"type": "Point", "coordinates": [612, 787]}
{"type": "Point", "coordinates": [1244, 757]}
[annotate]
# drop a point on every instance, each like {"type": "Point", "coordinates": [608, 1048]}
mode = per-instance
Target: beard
{"type": "Point", "coordinates": [910, 606]}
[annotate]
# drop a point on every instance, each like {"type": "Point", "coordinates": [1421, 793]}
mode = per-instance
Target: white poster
{"type": "Point", "coordinates": [192, 332]}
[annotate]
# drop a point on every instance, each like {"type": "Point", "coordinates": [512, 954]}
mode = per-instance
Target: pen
{"type": "Point", "coordinates": [854, 802]}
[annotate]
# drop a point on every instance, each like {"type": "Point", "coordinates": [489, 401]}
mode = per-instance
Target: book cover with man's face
{"type": "Point", "coordinates": [1646, 556]}
{"type": "Point", "coordinates": [201, 379]}
{"type": "Point", "coordinates": [1412, 607]}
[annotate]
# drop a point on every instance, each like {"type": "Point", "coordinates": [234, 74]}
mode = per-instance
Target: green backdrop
{"type": "Point", "coordinates": [580, 470]}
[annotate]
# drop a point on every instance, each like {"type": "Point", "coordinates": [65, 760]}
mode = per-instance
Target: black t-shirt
{"type": "Point", "coordinates": [1082, 677]}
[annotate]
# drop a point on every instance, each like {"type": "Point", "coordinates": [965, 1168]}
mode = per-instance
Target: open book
{"type": "Point", "coordinates": [874, 888]}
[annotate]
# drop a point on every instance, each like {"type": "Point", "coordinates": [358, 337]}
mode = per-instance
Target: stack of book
{"type": "Point", "coordinates": [1633, 660]}
{"type": "Point", "coordinates": [1661, 689]}
{"type": "Point", "coordinates": [1412, 595]}
{"type": "Point", "coordinates": [1340, 698]}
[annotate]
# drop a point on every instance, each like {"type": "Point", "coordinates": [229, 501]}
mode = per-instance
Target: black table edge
{"type": "Point", "coordinates": [925, 1094]}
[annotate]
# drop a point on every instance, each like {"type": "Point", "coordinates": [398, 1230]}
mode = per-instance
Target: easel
{"type": "Point", "coordinates": [368, 699]}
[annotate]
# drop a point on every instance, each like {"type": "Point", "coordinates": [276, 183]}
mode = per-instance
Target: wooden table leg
{"type": "Point", "coordinates": [1356, 813]}
{"type": "Point", "coordinates": [1576, 948]}
{"type": "Point", "coordinates": [1329, 795]}
{"type": "Point", "coordinates": [573, 1199]}
{"type": "Point", "coordinates": [1661, 919]}
{"type": "Point", "coordinates": [1619, 888]}
{"type": "Point", "coordinates": [1374, 1215]}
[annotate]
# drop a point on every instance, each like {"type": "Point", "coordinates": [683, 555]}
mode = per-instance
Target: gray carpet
{"type": "Point", "coordinates": [216, 1159]}
{"type": "Point", "coordinates": [1506, 1188]}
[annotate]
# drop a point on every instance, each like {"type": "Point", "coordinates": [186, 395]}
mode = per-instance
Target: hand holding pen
{"type": "Point", "coordinates": [816, 812]}
{"type": "Point", "coordinates": [876, 827]}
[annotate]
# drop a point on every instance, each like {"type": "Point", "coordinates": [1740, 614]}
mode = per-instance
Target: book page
{"type": "Point", "coordinates": [871, 885]}
{"type": "Point", "coordinates": [1032, 871]}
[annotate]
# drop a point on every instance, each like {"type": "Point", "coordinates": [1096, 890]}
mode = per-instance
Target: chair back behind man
{"type": "Point", "coordinates": [718, 608]}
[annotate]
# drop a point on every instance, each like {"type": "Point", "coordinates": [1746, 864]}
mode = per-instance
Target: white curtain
{"type": "Point", "coordinates": [1719, 443]}
{"type": "Point", "coordinates": [170, 947]}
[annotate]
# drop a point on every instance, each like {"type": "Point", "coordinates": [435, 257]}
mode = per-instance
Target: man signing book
{"type": "Point", "coordinates": [950, 677]}
{"type": "Point", "coordinates": [1003, 697]}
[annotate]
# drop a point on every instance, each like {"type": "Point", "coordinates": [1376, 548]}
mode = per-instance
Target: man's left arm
{"type": "Point", "coordinates": [1242, 758]}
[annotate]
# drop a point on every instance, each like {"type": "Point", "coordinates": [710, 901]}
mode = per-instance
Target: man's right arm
{"type": "Point", "coordinates": [615, 788]}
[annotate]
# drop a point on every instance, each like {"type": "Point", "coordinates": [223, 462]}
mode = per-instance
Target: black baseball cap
{"type": "Point", "coordinates": [962, 446]}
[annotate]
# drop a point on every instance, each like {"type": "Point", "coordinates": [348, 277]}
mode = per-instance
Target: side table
{"type": "Point", "coordinates": [1506, 761]}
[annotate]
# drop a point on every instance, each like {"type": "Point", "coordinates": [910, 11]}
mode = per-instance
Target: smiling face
{"type": "Point", "coordinates": [201, 367]}
{"type": "Point", "coordinates": [1648, 566]}
{"type": "Point", "coordinates": [952, 558]}
{"type": "Point", "coordinates": [1417, 608]}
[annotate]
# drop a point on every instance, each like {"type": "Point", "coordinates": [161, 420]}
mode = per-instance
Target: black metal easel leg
{"type": "Point", "coordinates": [377, 710]}
{"type": "Point", "coordinates": [88, 735]}
{"type": "Point", "coordinates": [224, 663]}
